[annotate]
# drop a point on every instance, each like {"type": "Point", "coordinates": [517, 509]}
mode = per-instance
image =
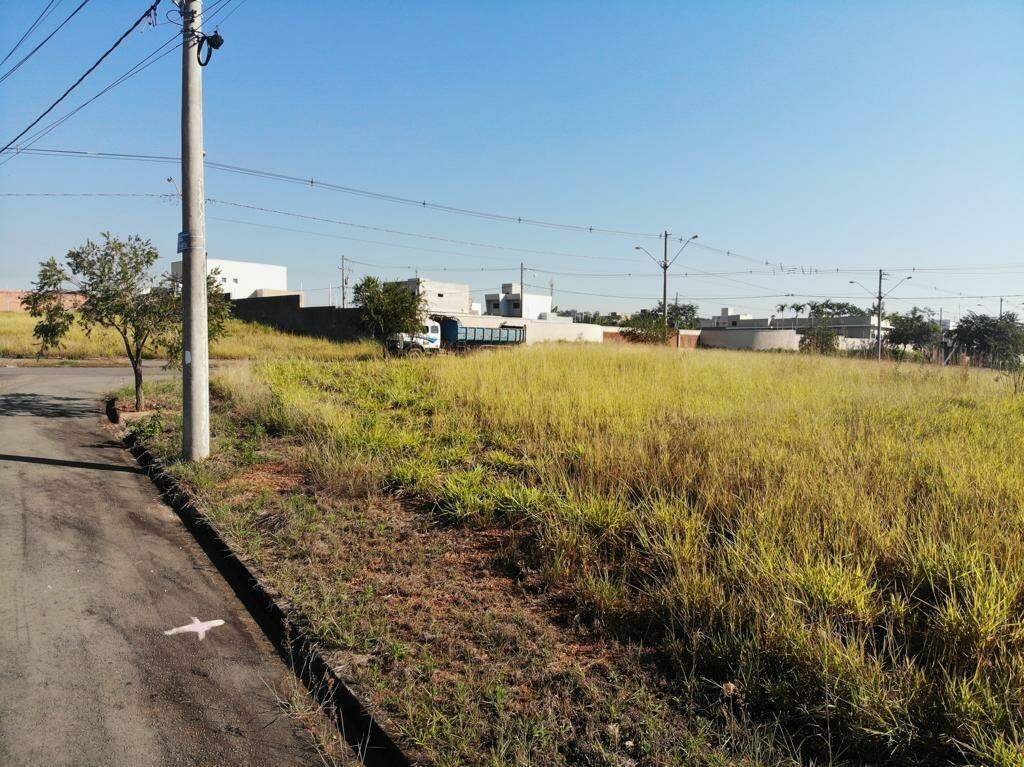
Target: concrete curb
{"type": "Point", "coordinates": [374, 746]}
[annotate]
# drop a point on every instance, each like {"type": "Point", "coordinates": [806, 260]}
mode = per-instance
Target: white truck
{"type": "Point", "coordinates": [428, 339]}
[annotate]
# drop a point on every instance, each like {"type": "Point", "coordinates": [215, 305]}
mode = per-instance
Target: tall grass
{"type": "Point", "coordinates": [831, 542]}
{"type": "Point", "coordinates": [241, 341]}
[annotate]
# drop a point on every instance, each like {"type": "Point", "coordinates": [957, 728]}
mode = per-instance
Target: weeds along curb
{"type": "Point", "coordinates": [374, 746]}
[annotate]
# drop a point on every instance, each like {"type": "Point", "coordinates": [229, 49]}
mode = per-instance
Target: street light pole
{"type": "Point", "coordinates": [664, 282]}
{"type": "Point", "coordinates": [878, 306]}
{"type": "Point", "coordinates": [665, 264]}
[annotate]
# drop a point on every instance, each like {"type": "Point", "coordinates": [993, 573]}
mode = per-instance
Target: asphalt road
{"type": "Point", "coordinates": [93, 569]}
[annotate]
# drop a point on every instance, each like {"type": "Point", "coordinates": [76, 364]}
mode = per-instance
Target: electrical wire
{"type": "Point", "coordinates": [154, 56]}
{"type": "Point", "coordinates": [165, 195]}
{"type": "Point", "coordinates": [85, 74]}
{"type": "Point", "coordinates": [47, 9]}
{"type": "Point", "coordinates": [45, 40]}
{"type": "Point", "coordinates": [399, 232]}
{"type": "Point", "coordinates": [774, 269]}
{"type": "Point", "coordinates": [956, 294]}
{"type": "Point", "coordinates": [433, 268]}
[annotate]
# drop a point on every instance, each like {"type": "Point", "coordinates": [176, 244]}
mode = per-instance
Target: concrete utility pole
{"type": "Point", "coordinates": [192, 243]}
{"type": "Point", "coordinates": [1000, 307]}
{"type": "Point", "coordinates": [664, 281]}
{"type": "Point", "coordinates": [665, 264]}
{"type": "Point", "coordinates": [344, 280]}
{"type": "Point", "coordinates": [942, 341]}
{"type": "Point", "coordinates": [522, 291]}
{"type": "Point", "coordinates": [878, 324]}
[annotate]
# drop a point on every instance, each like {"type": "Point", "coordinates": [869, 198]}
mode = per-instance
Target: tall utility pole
{"type": "Point", "coordinates": [192, 243]}
{"type": "Point", "coordinates": [522, 290]}
{"type": "Point", "coordinates": [942, 341]}
{"type": "Point", "coordinates": [664, 281]}
{"type": "Point", "coordinates": [344, 280]}
{"type": "Point", "coordinates": [665, 264]}
{"type": "Point", "coordinates": [878, 306]}
{"type": "Point", "coordinates": [1000, 307]}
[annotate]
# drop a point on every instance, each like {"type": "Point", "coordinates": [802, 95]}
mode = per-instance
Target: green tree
{"type": "Point", "coordinates": [994, 341]}
{"type": "Point", "coordinates": [118, 293]}
{"type": "Point", "coordinates": [915, 329]}
{"type": "Point", "coordinates": [820, 337]}
{"type": "Point", "coordinates": [645, 327]}
{"type": "Point", "coordinates": [388, 308]}
{"type": "Point", "coordinates": [829, 308]}
{"type": "Point", "coordinates": [680, 316]}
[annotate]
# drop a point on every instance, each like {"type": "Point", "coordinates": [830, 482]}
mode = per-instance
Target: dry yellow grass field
{"type": "Point", "coordinates": [832, 547]}
{"type": "Point", "coordinates": [838, 543]}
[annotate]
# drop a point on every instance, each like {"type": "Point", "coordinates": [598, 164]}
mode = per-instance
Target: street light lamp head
{"type": "Point", "coordinates": [695, 237]}
{"type": "Point", "coordinates": [637, 247]}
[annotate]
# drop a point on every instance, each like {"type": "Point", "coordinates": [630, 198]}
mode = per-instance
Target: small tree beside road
{"type": "Point", "coordinates": [388, 308]}
{"type": "Point", "coordinates": [119, 293]}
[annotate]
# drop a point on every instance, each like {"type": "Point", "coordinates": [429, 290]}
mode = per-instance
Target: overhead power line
{"type": "Point", "coordinates": [45, 40]}
{"type": "Point", "coordinates": [436, 268]}
{"type": "Point", "coordinates": [355, 191]}
{"type": "Point", "coordinates": [770, 268]}
{"type": "Point", "coordinates": [154, 56]}
{"type": "Point", "coordinates": [47, 9]}
{"type": "Point", "coordinates": [165, 195]}
{"type": "Point", "coordinates": [148, 12]}
{"type": "Point", "coordinates": [402, 233]}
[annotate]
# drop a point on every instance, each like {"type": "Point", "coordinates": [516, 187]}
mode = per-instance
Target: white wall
{"type": "Point", "coordinates": [539, 331]}
{"type": "Point", "coordinates": [760, 339]}
{"type": "Point", "coordinates": [241, 279]}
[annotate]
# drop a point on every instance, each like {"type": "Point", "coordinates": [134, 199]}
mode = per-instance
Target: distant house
{"type": "Point", "coordinates": [243, 279]}
{"type": "Point", "coordinates": [512, 302]}
{"type": "Point", "coordinates": [441, 297]}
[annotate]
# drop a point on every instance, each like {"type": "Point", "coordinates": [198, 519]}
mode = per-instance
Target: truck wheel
{"type": "Point", "coordinates": [415, 351]}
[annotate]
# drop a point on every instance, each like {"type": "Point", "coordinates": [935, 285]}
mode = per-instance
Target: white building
{"type": "Point", "coordinates": [441, 297]}
{"type": "Point", "coordinates": [512, 302]}
{"type": "Point", "coordinates": [242, 279]}
{"type": "Point", "coordinates": [730, 319]}
{"type": "Point", "coordinates": [747, 332]}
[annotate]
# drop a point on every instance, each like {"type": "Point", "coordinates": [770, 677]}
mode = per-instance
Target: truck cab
{"type": "Point", "coordinates": [426, 339]}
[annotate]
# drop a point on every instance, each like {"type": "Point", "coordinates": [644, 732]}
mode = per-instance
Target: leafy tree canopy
{"type": "Point", "coordinates": [829, 308]}
{"type": "Point", "coordinates": [997, 341]}
{"type": "Point", "coordinates": [119, 293]}
{"type": "Point", "coordinates": [914, 328]}
{"type": "Point", "coordinates": [388, 308]}
{"type": "Point", "coordinates": [645, 327]}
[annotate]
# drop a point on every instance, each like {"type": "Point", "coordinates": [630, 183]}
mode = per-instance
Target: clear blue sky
{"type": "Point", "coordinates": [816, 134]}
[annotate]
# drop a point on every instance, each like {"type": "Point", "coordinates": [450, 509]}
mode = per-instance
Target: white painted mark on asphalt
{"type": "Point", "coordinates": [195, 627]}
